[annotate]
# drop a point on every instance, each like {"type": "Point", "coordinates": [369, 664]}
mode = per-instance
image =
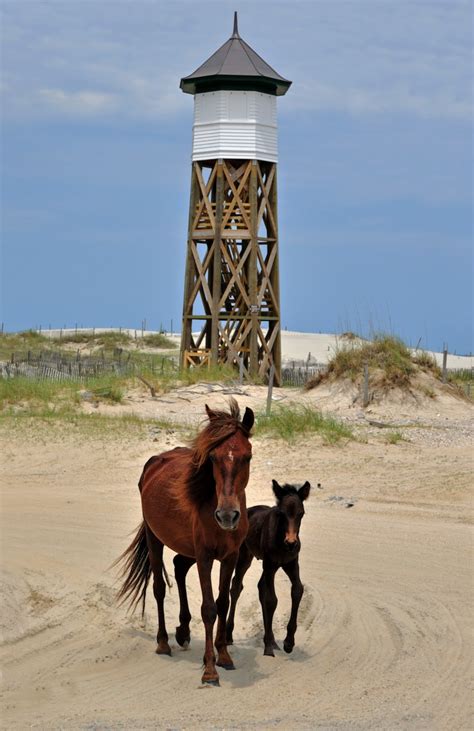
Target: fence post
{"type": "Point", "coordinates": [445, 363]}
{"type": "Point", "coordinates": [241, 370]}
{"type": "Point", "coordinates": [271, 376]}
{"type": "Point", "coordinates": [365, 399]}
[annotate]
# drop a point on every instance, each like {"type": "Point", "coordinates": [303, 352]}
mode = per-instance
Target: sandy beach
{"type": "Point", "coordinates": [384, 637]}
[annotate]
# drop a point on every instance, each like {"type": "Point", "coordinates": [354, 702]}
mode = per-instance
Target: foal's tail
{"type": "Point", "coordinates": [136, 572]}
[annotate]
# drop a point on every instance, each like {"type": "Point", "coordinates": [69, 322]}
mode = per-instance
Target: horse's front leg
{"type": "Point", "coordinates": [208, 614]}
{"type": "Point", "coordinates": [224, 660]}
{"type": "Point", "coordinates": [269, 601]}
{"type": "Point", "coordinates": [292, 570]}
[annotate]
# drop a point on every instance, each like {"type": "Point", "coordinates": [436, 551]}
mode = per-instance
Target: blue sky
{"type": "Point", "coordinates": [375, 166]}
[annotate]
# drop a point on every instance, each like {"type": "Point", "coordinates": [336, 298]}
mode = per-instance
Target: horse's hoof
{"type": "Point", "coordinates": [183, 638]}
{"type": "Point", "coordinates": [287, 647]}
{"type": "Point", "coordinates": [210, 681]}
{"type": "Point", "coordinates": [226, 666]}
{"type": "Point", "coordinates": [163, 650]}
{"type": "Point", "coordinates": [269, 652]}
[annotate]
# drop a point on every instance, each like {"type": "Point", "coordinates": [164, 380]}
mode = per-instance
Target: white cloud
{"type": "Point", "coordinates": [365, 57]}
{"type": "Point", "coordinates": [360, 101]}
{"type": "Point", "coordinates": [84, 102]}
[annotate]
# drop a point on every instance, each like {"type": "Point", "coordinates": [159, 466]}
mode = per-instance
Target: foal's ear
{"type": "Point", "coordinates": [278, 490]}
{"type": "Point", "coordinates": [303, 492]}
{"type": "Point", "coordinates": [211, 414]}
{"type": "Point", "coordinates": [247, 421]}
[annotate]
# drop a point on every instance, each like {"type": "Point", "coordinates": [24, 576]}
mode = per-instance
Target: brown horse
{"type": "Point", "coordinates": [273, 537]}
{"type": "Point", "coordinates": [193, 501]}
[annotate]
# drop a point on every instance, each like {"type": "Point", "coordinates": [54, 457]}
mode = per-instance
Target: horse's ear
{"type": "Point", "coordinates": [211, 414]}
{"type": "Point", "coordinates": [303, 492]}
{"type": "Point", "coordinates": [277, 489]}
{"type": "Point", "coordinates": [247, 421]}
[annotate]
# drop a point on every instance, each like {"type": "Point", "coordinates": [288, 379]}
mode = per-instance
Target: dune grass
{"type": "Point", "coordinates": [394, 437]}
{"type": "Point", "coordinates": [107, 341]}
{"type": "Point", "coordinates": [41, 396]}
{"type": "Point", "coordinates": [27, 340]}
{"type": "Point", "coordinates": [290, 422]}
{"type": "Point", "coordinates": [389, 360]}
{"type": "Point", "coordinates": [157, 340]}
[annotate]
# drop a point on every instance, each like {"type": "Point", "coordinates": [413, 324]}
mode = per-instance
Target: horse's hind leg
{"type": "Point", "coordinates": [155, 552]}
{"type": "Point", "coordinates": [269, 601]}
{"type": "Point", "coordinates": [182, 564]}
{"type": "Point", "coordinates": [293, 572]}
{"type": "Point", "coordinates": [243, 564]}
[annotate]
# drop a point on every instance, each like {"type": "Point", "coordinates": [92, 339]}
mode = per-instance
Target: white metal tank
{"type": "Point", "coordinates": [235, 125]}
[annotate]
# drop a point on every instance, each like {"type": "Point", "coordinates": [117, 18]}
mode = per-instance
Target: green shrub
{"type": "Point", "coordinates": [427, 362]}
{"type": "Point", "coordinates": [157, 340]}
{"type": "Point", "coordinates": [386, 354]}
{"type": "Point", "coordinates": [289, 422]}
{"type": "Point", "coordinates": [395, 437]}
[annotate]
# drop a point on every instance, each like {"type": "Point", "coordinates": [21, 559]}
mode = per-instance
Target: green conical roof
{"type": "Point", "coordinates": [235, 65]}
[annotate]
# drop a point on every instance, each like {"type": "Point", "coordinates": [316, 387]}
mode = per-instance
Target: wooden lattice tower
{"type": "Point", "coordinates": [231, 311]}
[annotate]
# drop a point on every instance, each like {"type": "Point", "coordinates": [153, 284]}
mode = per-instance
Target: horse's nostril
{"type": "Point", "coordinates": [227, 518]}
{"type": "Point", "coordinates": [235, 516]}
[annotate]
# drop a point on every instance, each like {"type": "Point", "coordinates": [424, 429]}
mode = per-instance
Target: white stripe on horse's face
{"type": "Point", "coordinates": [230, 455]}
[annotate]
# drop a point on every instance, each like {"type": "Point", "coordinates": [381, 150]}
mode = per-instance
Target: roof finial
{"type": "Point", "coordinates": [235, 34]}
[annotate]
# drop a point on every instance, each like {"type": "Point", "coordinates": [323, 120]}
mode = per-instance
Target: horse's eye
{"type": "Point", "coordinates": [247, 459]}
{"type": "Point", "coordinates": [212, 457]}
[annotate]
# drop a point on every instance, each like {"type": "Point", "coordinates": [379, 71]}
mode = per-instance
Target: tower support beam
{"type": "Point", "coordinates": [231, 308]}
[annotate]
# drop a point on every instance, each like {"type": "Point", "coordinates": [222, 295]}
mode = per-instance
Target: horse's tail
{"type": "Point", "coordinates": [136, 571]}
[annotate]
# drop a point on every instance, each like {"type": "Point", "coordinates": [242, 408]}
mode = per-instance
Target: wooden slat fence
{"type": "Point", "coordinates": [298, 376]}
{"type": "Point", "coordinates": [49, 365]}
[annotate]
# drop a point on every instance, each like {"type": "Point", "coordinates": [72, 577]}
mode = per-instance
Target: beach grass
{"type": "Point", "coordinates": [290, 422]}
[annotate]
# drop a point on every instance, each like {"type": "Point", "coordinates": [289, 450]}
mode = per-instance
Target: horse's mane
{"type": "Point", "coordinates": [200, 485]}
{"type": "Point", "coordinates": [288, 490]}
{"type": "Point", "coordinates": [221, 426]}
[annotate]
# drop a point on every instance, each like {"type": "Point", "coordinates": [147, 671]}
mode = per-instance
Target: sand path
{"type": "Point", "coordinates": [384, 628]}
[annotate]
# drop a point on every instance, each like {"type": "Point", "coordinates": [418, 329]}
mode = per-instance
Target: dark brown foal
{"type": "Point", "coordinates": [273, 537]}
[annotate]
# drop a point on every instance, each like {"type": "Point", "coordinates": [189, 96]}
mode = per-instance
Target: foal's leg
{"type": "Point", "coordinates": [182, 564]}
{"type": "Point", "coordinates": [208, 614]}
{"type": "Point", "coordinates": [292, 570]}
{"type": "Point", "coordinates": [155, 552]}
{"type": "Point", "coordinates": [269, 601]}
{"type": "Point", "coordinates": [224, 660]}
{"type": "Point", "coordinates": [243, 564]}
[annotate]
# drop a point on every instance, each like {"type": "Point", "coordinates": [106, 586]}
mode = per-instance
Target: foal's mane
{"type": "Point", "coordinates": [221, 426]}
{"type": "Point", "coordinates": [288, 490]}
